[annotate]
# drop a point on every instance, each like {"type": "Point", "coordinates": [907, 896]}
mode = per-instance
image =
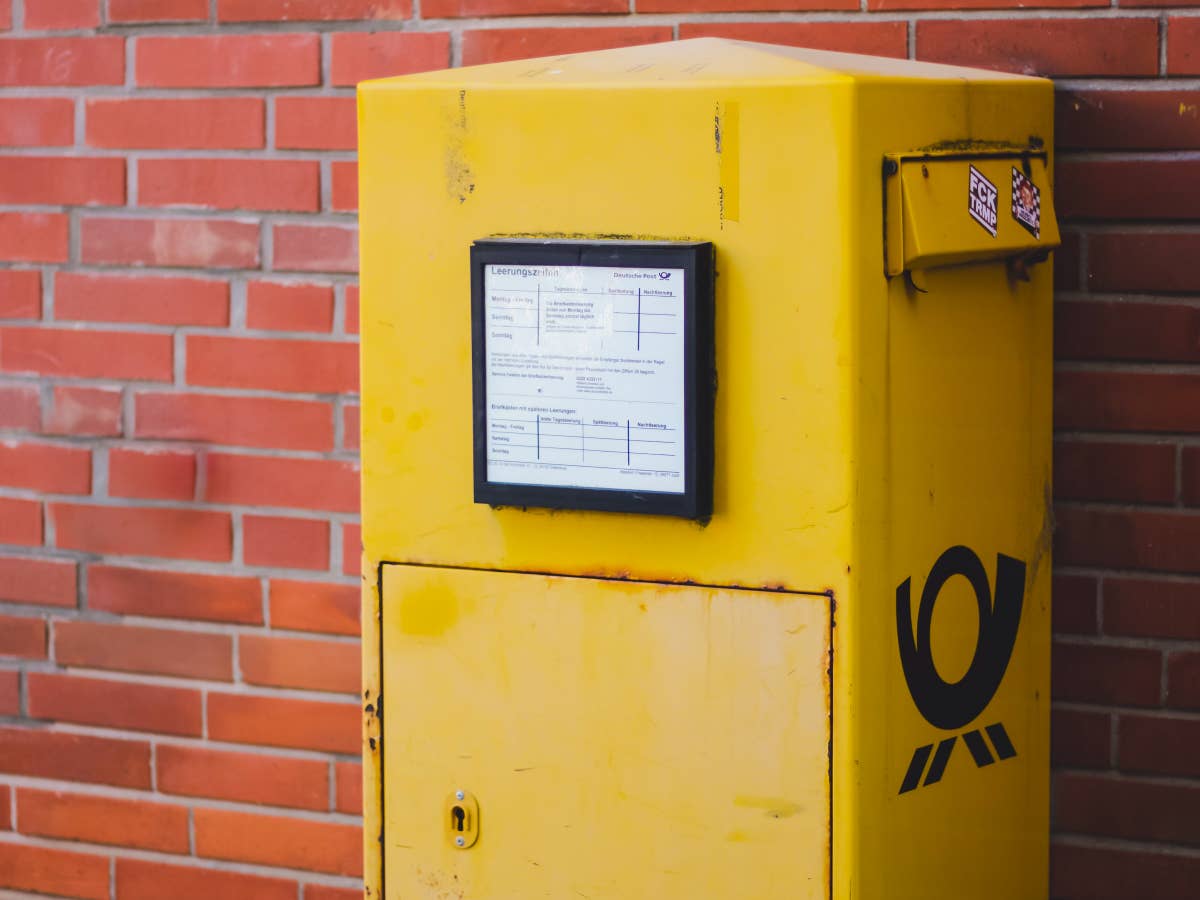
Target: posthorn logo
{"type": "Point", "coordinates": [951, 706]}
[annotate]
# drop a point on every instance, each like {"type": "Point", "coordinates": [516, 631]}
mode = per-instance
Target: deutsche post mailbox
{"type": "Point", "coordinates": [706, 478]}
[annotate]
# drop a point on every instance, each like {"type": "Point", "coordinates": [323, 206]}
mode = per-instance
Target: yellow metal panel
{"type": "Point", "coordinates": [623, 740]}
{"type": "Point", "coordinates": [492, 162]}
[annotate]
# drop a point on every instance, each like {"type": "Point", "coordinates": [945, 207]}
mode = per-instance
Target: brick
{"type": "Point", "coordinates": [103, 820]}
{"type": "Point", "coordinates": [43, 582]}
{"type": "Point", "coordinates": [316, 123]}
{"type": "Point", "coordinates": [451, 9]}
{"type": "Point", "coordinates": [6, 796]}
{"type": "Point", "coordinates": [352, 309]}
{"type": "Point", "coordinates": [33, 237]}
{"type": "Point", "coordinates": [1126, 808]}
{"type": "Point", "coordinates": [243, 777]}
{"type": "Point", "coordinates": [1126, 189]}
{"type": "Point", "coordinates": [242, 421]}
{"type": "Point", "coordinates": [74, 757]}
{"type": "Point", "coordinates": [279, 841]}
{"type": "Point", "coordinates": [1183, 680]}
{"type": "Point", "coordinates": [352, 549]}
{"type": "Point", "coordinates": [1127, 401]}
{"type": "Point", "coordinates": [348, 779]}
{"type": "Point", "coordinates": [37, 121]}
{"type": "Point", "coordinates": [285, 543]}
{"type": "Point", "coordinates": [304, 663]}
{"type": "Point", "coordinates": [284, 722]}
{"type": "Point", "coordinates": [46, 15]}
{"type": "Point", "coordinates": [132, 648]}
{"type": "Point", "coordinates": [350, 427]}
{"type": "Point", "coordinates": [143, 880]}
{"type": "Point", "coordinates": [92, 411]}
{"type": "Point", "coordinates": [62, 61]}
{"type": "Point", "coordinates": [315, 606]}
{"type": "Point", "coordinates": [86, 354]}
{"type": "Point", "coordinates": [875, 38]}
{"type": "Point", "coordinates": [315, 248]}
{"type": "Point", "coordinates": [1066, 264]}
{"type": "Point", "coordinates": [243, 480]}
{"type": "Point", "coordinates": [1097, 673]}
{"type": "Point", "coordinates": [89, 297]}
{"type": "Point", "coordinates": [318, 367]}
{"type": "Point", "coordinates": [311, 10]}
{"type": "Point", "coordinates": [1183, 46]}
{"type": "Point", "coordinates": [23, 637]}
{"type": "Point", "coordinates": [174, 595]}
{"type": "Point", "coordinates": [1146, 262]}
{"type": "Point", "coordinates": [1075, 606]}
{"type": "Point", "coordinates": [5, 15]}
{"type": "Point", "coordinates": [144, 531]}
{"type": "Point", "coordinates": [49, 468]}
{"type": "Point", "coordinates": [1095, 470]}
{"type": "Point", "coordinates": [59, 872]}
{"type": "Point", "coordinates": [1097, 46]}
{"type": "Point", "coordinates": [1127, 331]}
{"type": "Point", "coordinates": [1080, 740]}
{"type": "Point", "coordinates": [146, 11]}
{"type": "Point", "coordinates": [20, 407]}
{"type": "Point", "coordinates": [289, 306]}
{"type": "Point", "coordinates": [20, 522]}
{"type": "Point", "coordinates": [357, 56]}
{"type": "Point", "coordinates": [502, 44]}
{"type": "Point", "coordinates": [63, 180]}
{"type": "Point", "coordinates": [1152, 608]}
{"type": "Point", "coordinates": [1127, 119]}
{"type": "Point", "coordinates": [20, 293]}
{"type": "Point", "coordinates": [282, 185]}
{"type": "Point", "coordinates": [1190, 488]}
{"type": "Point", "coordinates": [324, 892]}
{"type": "Point", "coordinates": [192, 243]}
{"type": "Point", "coordinates": [114, 704]}
{"type": "Point", "coordinates": [230, 60]}
{"type": "Point", "coordinates": [152, 474]}
{"type": "Point", "coordinates": [202, 123]}
{"type": "Point", "coordinates": [1107, 873]}
{"type": "Point", "coordinates": [10, 693]}
{"type": "Point", "coordinates": [1158, 541]}
{"type": "Point", "coordinates": [1159, 745]}
{"type": "Point", "coordinates": [343, 186]}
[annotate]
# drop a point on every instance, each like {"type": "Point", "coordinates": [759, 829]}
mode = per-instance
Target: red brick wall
{"type": "Point", "coordinates": [178, 420]}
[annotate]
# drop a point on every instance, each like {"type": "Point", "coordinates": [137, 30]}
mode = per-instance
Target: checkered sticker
{"type": "Point", "coordinates": [981, 201]}
{"type": "Point", "coordinates": [1027, 203]}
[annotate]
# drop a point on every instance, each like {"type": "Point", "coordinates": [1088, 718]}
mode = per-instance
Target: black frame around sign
{"type": "Point", "coordinates": [696, 259]}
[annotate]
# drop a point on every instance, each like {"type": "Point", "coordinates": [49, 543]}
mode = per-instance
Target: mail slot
{"type": "Point", "coordinates": [706, 471]}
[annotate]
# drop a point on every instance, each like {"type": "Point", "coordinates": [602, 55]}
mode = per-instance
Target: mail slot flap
{"type": "Point", "coordinates": [962, 208]}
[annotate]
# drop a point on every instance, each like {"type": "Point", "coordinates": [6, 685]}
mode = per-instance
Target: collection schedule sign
{"type": "Point", "coordinates": [589, 361]}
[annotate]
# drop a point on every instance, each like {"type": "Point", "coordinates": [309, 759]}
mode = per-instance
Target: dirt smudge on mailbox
{"type": "Point", "coordinates": [774, 807]}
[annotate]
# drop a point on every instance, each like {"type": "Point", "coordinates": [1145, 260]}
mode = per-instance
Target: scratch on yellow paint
{"type": "Point", "coordinates": [775, 807]}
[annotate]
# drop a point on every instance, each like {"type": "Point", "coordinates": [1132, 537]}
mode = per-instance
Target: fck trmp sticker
{"type": "Point", "coordinates": [1027, 203]}
{"type": "Point", "coordinates": [982, 201]}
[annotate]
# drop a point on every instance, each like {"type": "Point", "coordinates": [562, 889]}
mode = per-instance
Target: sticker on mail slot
{"type": "Point", "coordinates": [982, 201]}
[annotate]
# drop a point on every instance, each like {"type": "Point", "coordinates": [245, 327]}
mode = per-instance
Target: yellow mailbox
{"type": "Point", "coordinates": [706, 478]}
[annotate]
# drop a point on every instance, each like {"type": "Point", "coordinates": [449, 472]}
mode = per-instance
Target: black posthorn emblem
{"type": "Point", "coordinates": [951, 706]}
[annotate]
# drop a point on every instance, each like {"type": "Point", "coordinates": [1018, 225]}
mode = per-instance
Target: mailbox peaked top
{"type": "Point", "coordinates": [694, 61]}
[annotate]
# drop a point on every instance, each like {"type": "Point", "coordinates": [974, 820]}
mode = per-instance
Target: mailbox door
{"type": "Point", "coordinates": [612, 739]}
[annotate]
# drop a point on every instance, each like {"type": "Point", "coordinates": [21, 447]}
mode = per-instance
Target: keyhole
{"type": "Point", "coordinates": [459, 815]}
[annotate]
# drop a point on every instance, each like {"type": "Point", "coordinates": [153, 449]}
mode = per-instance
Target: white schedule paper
{"type": "Point", "coordinates": [584, 369]}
